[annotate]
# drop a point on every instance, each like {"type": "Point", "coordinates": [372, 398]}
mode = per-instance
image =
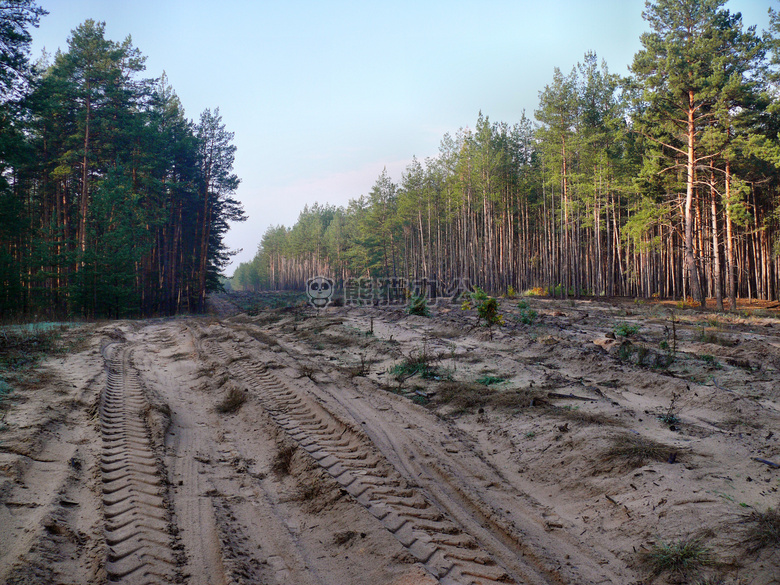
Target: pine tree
{"type": "Point", "coordinates": [16, 18]}
{"type": "Point", "coordinates": [679, 69]}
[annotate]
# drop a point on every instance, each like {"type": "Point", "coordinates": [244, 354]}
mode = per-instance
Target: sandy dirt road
{"type": "Point", "coordinates": [281, 448]}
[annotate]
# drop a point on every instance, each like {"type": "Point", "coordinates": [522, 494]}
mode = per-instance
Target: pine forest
{"type": "Point", "coordinates": [112, 202]}
{"type": "Point", "coordinates": [663, 183]}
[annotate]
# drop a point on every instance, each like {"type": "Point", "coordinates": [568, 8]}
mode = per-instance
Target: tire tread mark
{"type": "Point", "coordinates": [139, 544]}
{"type": "Point", "coordinates": [451, 555]}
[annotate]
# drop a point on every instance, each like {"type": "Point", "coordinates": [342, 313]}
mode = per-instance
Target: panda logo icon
{"type": "Point", "coordinates": [319, 290]}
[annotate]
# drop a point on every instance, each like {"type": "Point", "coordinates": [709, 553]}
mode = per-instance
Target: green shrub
{"type": "Point", "coordinates": [419, 364]}
{"type": "Point", "coordinates": [488, 312]}
{"type": "Point", "coordinates": [486, 306]}
{"type": "Point", "coordinates": [711, 361]}
{"type": "Point", "coordinates": [418, 305]}
{"type": "Point", "coordinates": [475, 299]}
{"type": "Point", "coordinates": [488, 380]}
{"type": "Point", "coordinates": [527, 315]}
{"type": "Point", "coordinates": [626, 329]}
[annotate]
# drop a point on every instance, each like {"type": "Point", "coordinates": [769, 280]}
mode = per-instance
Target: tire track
{"type": "Point", "coordinates": [137, 528]}
{"type": "Point", "coordinates": [430, 535]}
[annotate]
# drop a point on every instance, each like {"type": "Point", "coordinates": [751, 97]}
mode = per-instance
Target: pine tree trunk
{"type": "Point", "coordinates": [715, 247]}
{"type": "Point", "coordinates": [690, 260]}
{"type": "Point", "coordinates": [84, 203]}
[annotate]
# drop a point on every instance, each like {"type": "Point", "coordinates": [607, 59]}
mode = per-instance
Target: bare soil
{"type": "Point", "coordinates": [364, 445]}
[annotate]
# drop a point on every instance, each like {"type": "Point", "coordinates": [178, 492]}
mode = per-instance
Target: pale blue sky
{"type": "Point", "coordinates": [322, 95]}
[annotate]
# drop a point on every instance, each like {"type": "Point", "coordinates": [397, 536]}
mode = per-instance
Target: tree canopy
{"type": "Point", "coordinates": [113, 203]}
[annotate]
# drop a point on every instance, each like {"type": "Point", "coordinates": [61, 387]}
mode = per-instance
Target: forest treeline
{"type": "Point", "coordinates": [662, 183]}
{"type": "Point", "coordinates": [112, 202]}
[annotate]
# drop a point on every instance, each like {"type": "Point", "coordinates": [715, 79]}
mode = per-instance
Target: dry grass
{"type": "Point", "coordinates": [232, 401]}
{"type": "Point", "coordinates": [635, 451]}
{"type": "Point", "coordinates": [258, 335]}
{"type": "Point", "coordinates": [586, 418]}
{"type": "Point", "coordinates": [761, 530]}
{"type": "Point", "coordinates": [462, 395]}
{"type": "Point", "coordinates": [342, 538]}
{"type": "Point", "coordinates": [268, 318]}
{"type": "Point", "coordinates": [709, 336]}
{"type": "Point", "coordinates": [320, 339]}
{"type": "Point", "coordinates": [735, 422]}
{"type": "Point", "coordinates": [313, 492]}
{"type": "Point", "coordinates": [362, 369]}
{"type": "Point", "coordinates": [444, 332]}
{"type": "Point", "coordinates": [516, 399]}
{"type": "Point", "coordinates": [283, 460]}
{"type": "Point", "coordinates": [467, 396]}
{"type": "Point", "coordinates": [306, 371]}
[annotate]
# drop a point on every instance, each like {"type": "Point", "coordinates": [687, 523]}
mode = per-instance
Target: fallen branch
{"type": "Point", "coordinates": [575, 397]}
{"type": "Point", "coordinates": [765, 462]}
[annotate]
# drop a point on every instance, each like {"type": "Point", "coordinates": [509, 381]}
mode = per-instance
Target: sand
{"type": "Point", "coordinates": [283, 448]}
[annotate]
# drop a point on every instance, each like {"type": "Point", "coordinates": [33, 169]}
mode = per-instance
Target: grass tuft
{"type": "Point", "coordinates": [306, 371]}
{"type": "Point", "coordinates": [762, 530]}
{"type": "Point", "coordinates": [586, 418]}
{"type": "Point", "coordinates": [711, 361]}
{"type": "Point", "coordinates": [706, 336]}
{"type": "Point", "coordinates": [462, 395]}
{"type": "Point", "coordinates": [310, 490]}
{"type": "Point", "coordinates": [635, 450]}
{"type": "Point", "coordinates": [282, 463]}
{"type": "Point", "coordinates": [488, 380]}
{"type": "Point", "coordinates": [681, 557]}
{"type": "Point", "coordinates": [420, 363]}
{"type": "Point", "coordinates": [465, 396]}
{"type": "Point", "coordinates": [626, 329]}
{"type": "Point", "coordinates": [21, 348]}
{"type": "Point", "coordinates": [232, 401]}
